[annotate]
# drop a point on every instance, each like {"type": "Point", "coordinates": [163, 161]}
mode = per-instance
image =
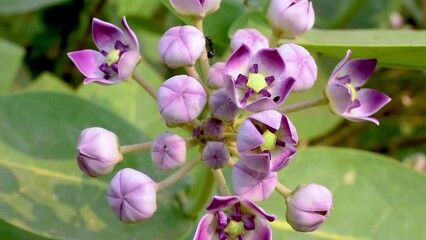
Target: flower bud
{"type": "Point", "coordinates": [181, 99]}
{"type": "Point", "coordinates": [289, 18]}
{"type": "Point", "coordinates": [98, 151]}
{"type": "Point", "coordinates": [308, 207]}
{"type": "Point", "coordinates": [215, 154]}
{"type": "Point", "coordinates": [215, 76]}
{"type": "Point", "coordinates": [181, 46]}
{"type": "Point", "coordinates": [250, 37]}
{"type": "Point", "coordinates": [222, 107]}
{"type": "Point", "coordinates": [213, 128]}
{"type": "Point", "coordinates": [195, 8]}
{"type": "Point", "coordinates": [132, 195]}
{"type": "Point", "coordinates": [300, 65]}
{"type": "Point", "coordinates": [252, 185]}
{"type": "Point", "coordinates": [168, 151]}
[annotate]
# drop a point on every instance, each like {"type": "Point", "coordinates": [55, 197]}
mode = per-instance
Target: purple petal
{"type": "Point", "coordinates": [288, 133]}
{"type": "Point", "coordinates": [88, 62]}
{"type": "Point", "coordinates": [106, 34]}
{"type": "Point", "coordinates": [131, 36]}
{"type": "Point", "coordinates": [239, 62]}
{"type": "Point", "coordinates": [281, 158]}
{"type": "Point", "coordinates": [371, 101]}
{"type": "Point", "coordinates": [270, 62]}
{"type": "Point", "coordinates": [252, 185]}
{"type": "Point", "coordinates": [248, 137]}
{"type": "Point", "coordinates": [270, 118]}
{"type": "Point", "coordinates": [205, 229]}
{"type": "Point", "coordinates": [101, 81]}
{"type": "Point", "coordinates": [339, 96]}
{"type": "Point", "coordinates": [262, 231]}
{"type": "Point", "coordinates": [359, 70]}
{"type": "Point", "coordinates": [187, 7]}
{"type": "Point", "coordinates": [127, 64]}
{"type": "Point", "coordinates": [341, 64]}
{"type": "Point", "coordinates": [281, 89]}
{"type": "Point", "coordinates": [220, 202]}
{"type": "Point", "coordinates": [258, 211]}
{"type": "Point", "coordinates": [261, 104]}
{"type": "Point", "coordinates": [257, 161]}
{"type": "Point", "coordinates": [231, 91]}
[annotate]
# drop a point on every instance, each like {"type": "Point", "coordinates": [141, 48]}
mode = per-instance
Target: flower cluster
{"type": "Point", "coordinates": [230, 112]}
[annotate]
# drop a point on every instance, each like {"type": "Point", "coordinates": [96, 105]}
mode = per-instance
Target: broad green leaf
{"type": "Point", "coordinates": [22, 6]}
{"type": "Point", "coordinates": [130, 101]}
{"type": "Point", "coordinates": [8, 231]}
{"type": "Point", "coordinates": [49, 82]}
{"type": "Point", "coordinates": [10, 62]}
{"type": "Point", "coordinates": [374, 197]}
{"type": "Point", "coordinates": [141, 8]}
{"type": "Point", "coordinates": [43, 190]}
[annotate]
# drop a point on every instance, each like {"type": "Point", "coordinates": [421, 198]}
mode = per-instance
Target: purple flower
{"type": "Point", "coordinates": [181, 46]}
{"type": "Point", "coordinates": [222, 107]}
{"type": "Point", "coordinates": [300, 65]}
{"type": "Point", "coordinates": [266, 141]}
{"type": "Point", "coordinates": [233, 217]}
{"type": "Point", "coordinates": [250, 37]}
{"type": "Point", "coordinates": [117, 57]}
{"type": "Point", "coordinates": [345, 94]}
{"type": "Point", "coordinates": [256, 83]}
{"type": "Point", "coordinates": [181, 99]}
{"type": "Point", "coordinates": [195, 8]}
{"type": "Point", "coordinates": [251, 184]}
{"type": "Point", "coordinates": [308, 207]}
{"type": "Point", "coordinates": [132, 195]}
{"type": "Point", "coordinates": [98, 151]}
{"type": "Point", "coordinates": [215, 154]}
{"type": "Point", "coordinates": [289, 18]}
{"type": "Point", "coordinates": [168, 151]}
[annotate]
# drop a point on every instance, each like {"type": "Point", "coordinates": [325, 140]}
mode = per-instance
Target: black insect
{"type": "Point", "coordinates": [209, 46]}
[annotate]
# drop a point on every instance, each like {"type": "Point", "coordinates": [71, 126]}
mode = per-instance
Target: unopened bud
{"type": "Point", "coordinates": [168, 151]}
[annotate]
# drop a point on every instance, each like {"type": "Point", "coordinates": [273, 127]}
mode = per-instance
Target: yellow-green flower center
{"type": "Point", "coordinates": [235, 228]}
{"type": "Point", "coordinates": [353, 91]}
{"type": "Point", "coordinates": [113, 57]}
{"type": "Point", "coordinates": [269, 141]}
{"type": "Point", "coordinates": [256, 82]}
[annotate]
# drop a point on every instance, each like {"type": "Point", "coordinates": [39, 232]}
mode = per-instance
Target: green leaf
{"type": "Point", "coordinates": [22, 6]}
{"type": "Point", "coordinates": [10, 62]}
{"type": "Point", "coordinates": [49, 82]}
{"type": "Point", "coordinates": [136, 8]}
{"type": "Point", "coordinates": [374, 197]}
{"type": "Point", "coordinates": [43, 190]}
{"type": "Point", "coordinates": [392, 48]}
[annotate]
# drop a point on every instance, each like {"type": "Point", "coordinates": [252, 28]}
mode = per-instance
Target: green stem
{"type": "Point", "coordinates": [144, 84]}
{"type": "Point", "coordinates": [273, 40]}
{"type": "Point", "coordinates": [204, 60]}
{"type": "Point", "coordinates": [282, 190]}
{"type": "Point", "coordinates": [303, 105]}
{"type": "Point", "coordinates": [135, 147]}
{"type": "Point", "coordinates": [221, 182]}
{"type": "Point", "coordinates": [178, 174]}
{"type": "Point", "coordinates": [200, 193]}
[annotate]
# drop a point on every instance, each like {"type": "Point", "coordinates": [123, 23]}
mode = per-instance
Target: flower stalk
{"type": "Point", "coordinates": [144, 84]}
{"type": "Point", "coordinates": [139, 147]}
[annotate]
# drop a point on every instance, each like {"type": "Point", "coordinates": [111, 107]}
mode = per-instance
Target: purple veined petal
{"type": "Point", "coordinates": [359, 70]}
{"type": "Point", "coordinates": [339, 97]}
{"type": "Point", "coordinates": [239, 62]}
{"type": "Point", "coordinates": [251, 37]}
{"type": "Point", "coordinates": [371, 101]}
{"type": "Point", "coordinates": [341, 64]}
{"type": "Point", "coordinates": [271, 118]}
{"type": "Point", "coordinates": [132, 40]}
{"type": "Point", "coordinates": [257, 161]}
{"type": "Point", "coordinates": [256, 210]}
{"type": "Point", "coordinates": [106, 34]}
{"type": "Point", "coordinates": [88, 62]}
{"type": "Point", "coordinates": [248, 137]}
{"type": "Point", "coordinates": [281, 157]}
{"type": "Point", "coordinates": [127, 64]}
{"type": "Point", "coordinates": [205, 229]}
{"type": "Point", "coordinates": [312, 197]}
{"type": "Point", "coordinates": [270, 62]}
{"type": "Point", "coordinates": [252, 185]}
{"type": "Point", "coordinates": [261, 104]}
{"type": "Point", "coordinates": [288, 133]}
{"type": "Point", "coordinates": [221, 202]}
{"type": "Point", "coordinates": [262, 231]}
{"type": "Point", "coordinates": [282, 89]}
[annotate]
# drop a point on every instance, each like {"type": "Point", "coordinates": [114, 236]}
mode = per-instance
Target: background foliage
{"type": "Point", "coordinates": [43, 108]}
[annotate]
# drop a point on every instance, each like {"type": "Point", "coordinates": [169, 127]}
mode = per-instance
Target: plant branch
{"type": "Point", "coordinates": [135, 147]}
{"type": "Point", "coordinates": [221, 182]}
{"type": "Point", "coordinates": [204, 60]}
{"type": "Point", "coordinates": [144, 84]}
{"type": "Point", "coordinates": [178, 174]}
{"type": "Point", "coordinates": [303, 105]}
{"type": "Point", "coordinates": [282, 190]}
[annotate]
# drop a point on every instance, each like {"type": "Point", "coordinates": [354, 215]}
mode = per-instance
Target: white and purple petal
{"type": "Point", "coordinates": [105, 35]}
{"type": "Point", "coordinates": [88, 62]}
